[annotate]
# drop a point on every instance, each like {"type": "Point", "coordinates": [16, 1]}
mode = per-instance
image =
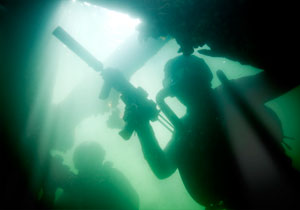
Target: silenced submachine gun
{"type": "Point", "coordinates": [130, 95]}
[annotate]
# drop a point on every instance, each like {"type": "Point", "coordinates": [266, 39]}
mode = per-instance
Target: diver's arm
{"type": "Point", "coordinates": [160, 161]}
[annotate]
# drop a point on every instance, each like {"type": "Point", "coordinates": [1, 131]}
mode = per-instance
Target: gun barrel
{"type": "Point", "coordinates": [78, 49]}
{"type": "Point", "coordinates": [112, 79]}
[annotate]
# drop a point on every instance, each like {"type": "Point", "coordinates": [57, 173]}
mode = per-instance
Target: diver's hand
{"type": "Point", "coordinates": [135, 115]}
{"type": "Point", "coordinates": [134, 118]}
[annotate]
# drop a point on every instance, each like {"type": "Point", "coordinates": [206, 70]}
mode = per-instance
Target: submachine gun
{"type": "Point", "coordinates": [130, 95]}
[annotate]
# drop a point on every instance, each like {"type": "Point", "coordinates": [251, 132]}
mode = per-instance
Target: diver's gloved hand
{"type": "Point", "coordinates": [139, 111]}
{"type": "Point", "coordinates": [134, 117]}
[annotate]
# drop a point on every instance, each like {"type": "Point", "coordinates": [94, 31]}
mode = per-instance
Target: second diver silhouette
{"type": "Point", "coordinates": [97, 185]}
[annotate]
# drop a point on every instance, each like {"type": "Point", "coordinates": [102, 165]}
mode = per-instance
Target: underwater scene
{"type": "Point", "coordinates": [150, 105]}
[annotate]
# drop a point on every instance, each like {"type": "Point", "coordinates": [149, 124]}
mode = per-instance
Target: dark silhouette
{"type": "Point", "coordinates": [20, 153]}
{"type": "Point", "coordinates": [227, 147]}
{"type": "Point", "coordinates": [251, 32]}
{"type": "Point", "coordinates": [96, 186]}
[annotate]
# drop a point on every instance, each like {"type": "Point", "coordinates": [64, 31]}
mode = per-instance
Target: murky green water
{"type": "Point", "coordinates": [73, 112]}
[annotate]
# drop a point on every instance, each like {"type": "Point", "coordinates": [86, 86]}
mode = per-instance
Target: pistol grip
{"type": "Point", "coordinates": [127, 131]}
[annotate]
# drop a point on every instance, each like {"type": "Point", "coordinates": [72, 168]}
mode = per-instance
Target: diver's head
{"type": "Point", "coordinates": [88, 157]}
{"type": "Point", "coordinates": [187, 78]}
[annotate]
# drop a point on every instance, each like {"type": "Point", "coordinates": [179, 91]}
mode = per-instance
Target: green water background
{"type": "Point", "coordinates": [60, 71]}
